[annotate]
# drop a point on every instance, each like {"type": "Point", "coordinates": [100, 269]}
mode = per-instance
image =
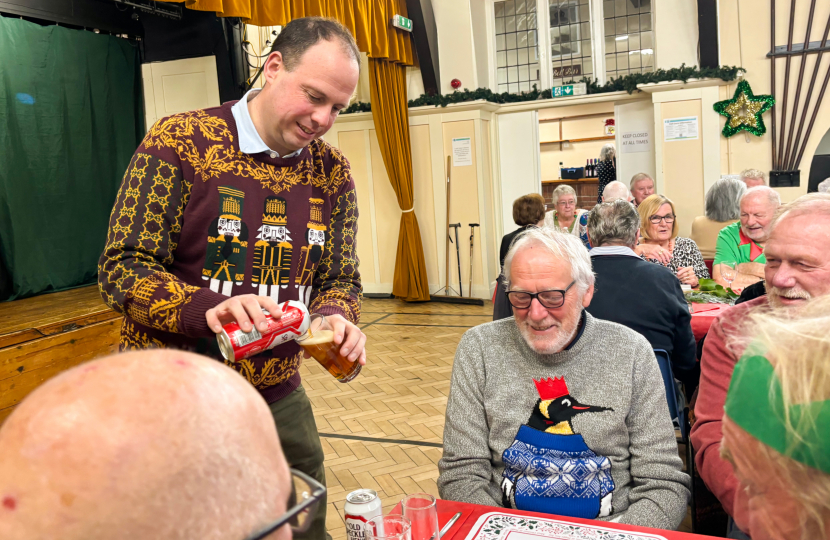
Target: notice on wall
{"type": "Point", "coordinates": [462, 152]}
{"type": "Point", "coordinates": [680, 129]}
{"type": "Point", "coordinates": [635, 141]}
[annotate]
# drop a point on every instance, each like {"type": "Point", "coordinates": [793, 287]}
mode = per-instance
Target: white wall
{"type": "Point", "coordinates": [630, 117]}
{"type": "Point", "coordinates": [518, 149]}
{"type": "Point", "coordinates": [824, 145]}
{"type": "Point", "coordinates": [676, 33]}
{"type": "Point", "coordinates": [455, 43]}
{"type": "Point", "coordinates": [480, 37]}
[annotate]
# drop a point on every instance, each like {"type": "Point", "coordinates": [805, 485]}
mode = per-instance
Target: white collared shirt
{"type": "Point", "coordinates": [249, 140]}
{"type": "Point", "coordinates": [612, 250]}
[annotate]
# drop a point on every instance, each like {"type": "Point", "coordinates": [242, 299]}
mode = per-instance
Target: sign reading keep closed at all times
{"type": "Point", "coordinates": [635, 141]}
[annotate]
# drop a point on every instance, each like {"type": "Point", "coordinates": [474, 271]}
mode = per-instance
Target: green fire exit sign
{"type": "Point", "coordinates": [399, 21]}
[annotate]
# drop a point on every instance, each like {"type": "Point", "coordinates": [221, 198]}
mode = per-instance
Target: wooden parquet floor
{"type": "Point", "coordinates": [384, 429]}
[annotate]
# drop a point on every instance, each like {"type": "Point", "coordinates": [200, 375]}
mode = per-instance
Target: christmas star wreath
{"type": "Point", "coordinates": [744, 111]}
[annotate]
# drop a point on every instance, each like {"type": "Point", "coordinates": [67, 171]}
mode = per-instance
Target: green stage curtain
{"type": "Point", "coordinates": [367, 20]}
{"type": "Point", "coordinates": [70, 120]}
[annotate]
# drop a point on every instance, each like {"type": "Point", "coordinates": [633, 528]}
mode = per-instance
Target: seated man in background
{"type": "Point", "coordinates": [642, 185]}
{"type": "Point", "coordinates": [753, 178]}
{"type": "Point", "coordinates": [135, 446]}
{"type": "Point", "coordinates": [783, 460]}
{"type": "Point", "coordinates": [743, 243]}
{"type": "Point", "coordinates": [797, 269]}
{"type": "Point", "coordinates": [557, 389]}
{"type": "Point", "coordinates": [635, 293]}
{"type": "Point", "coordinates": [615, 190]}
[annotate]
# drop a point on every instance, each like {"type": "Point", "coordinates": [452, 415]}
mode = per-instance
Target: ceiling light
{"type": "Point", "coordinates": [620, 38]}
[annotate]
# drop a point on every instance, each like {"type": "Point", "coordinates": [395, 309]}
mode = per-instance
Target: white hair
{"type": "Point", "coordinates": [772, 196]}
{"type": "Point", "coordinates": [615, 190]}
{"type": "Point", "coordinates": [607, 153]}
{"type": "Point", "coordinates": [562, 246]}
{"type": "Point", "coordinates": [811, 203]}
{"type": "Point", "coordinates": [824, 187]}
{"type": "Point", "coordinates": [563, 189]}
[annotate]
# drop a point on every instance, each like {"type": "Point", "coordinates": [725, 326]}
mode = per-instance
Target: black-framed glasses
{"type": "Point", "coordinates": [306, 493]}
{"type": "Point", "coordinates": [551, 299]}
{"type": "Point", "coordinates": [669, 219]}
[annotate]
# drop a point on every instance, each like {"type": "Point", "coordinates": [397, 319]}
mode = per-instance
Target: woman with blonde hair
{"type": "Point", "coordinates": [565, 216]}
{"type": "Point", "coordinates": [660, 244]}
{"type": "Point", "coordinates": [776, 427]}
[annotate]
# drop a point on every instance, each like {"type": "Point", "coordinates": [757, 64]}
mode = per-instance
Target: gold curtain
{"type": "Point", "coordinates": [387, 84]}
{"type": "Point", "coordinates": [367, 20]}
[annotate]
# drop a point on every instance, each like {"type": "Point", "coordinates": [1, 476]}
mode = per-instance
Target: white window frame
{"type": "Point", "coordinates": [544, 47]}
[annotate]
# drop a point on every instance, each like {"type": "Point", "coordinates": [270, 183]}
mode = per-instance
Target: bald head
{"type": "Point", "coordinates": [151, 444]}
{"type": "Point", "coordinates": [615, 190]}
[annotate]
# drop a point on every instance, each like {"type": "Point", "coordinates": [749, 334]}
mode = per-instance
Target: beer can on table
{"type": "Point", "coordinates": [236, 344]}
{"type": "Point", "coordinates": [361, 506]}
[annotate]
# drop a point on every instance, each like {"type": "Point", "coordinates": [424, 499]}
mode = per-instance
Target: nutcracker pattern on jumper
{"type": "Point", "coordinates": [196, 221]}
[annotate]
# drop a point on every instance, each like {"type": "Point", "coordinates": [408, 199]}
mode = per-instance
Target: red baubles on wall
{"type": "Point", "coordinates": [455, 83]}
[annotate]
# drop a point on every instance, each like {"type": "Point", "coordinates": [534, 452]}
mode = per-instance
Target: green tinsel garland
{"type": "Point", "coordinates": [628, 83]}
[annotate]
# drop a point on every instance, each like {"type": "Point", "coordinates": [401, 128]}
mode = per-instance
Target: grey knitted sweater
{"type": "Point", "coordinates": [597, 443]}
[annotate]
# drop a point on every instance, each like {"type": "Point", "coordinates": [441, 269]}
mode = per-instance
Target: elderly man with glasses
{"type": "Point", "coordinates": [157, 445]}
{"type": "Point", "coordinates": [553, 410]}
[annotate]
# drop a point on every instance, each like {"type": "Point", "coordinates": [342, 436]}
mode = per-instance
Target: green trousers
{"type": "Point", "coordinates": [301, 445]}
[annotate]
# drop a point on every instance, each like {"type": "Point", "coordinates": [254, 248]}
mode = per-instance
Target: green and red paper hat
{"type": "Point", "coordinates": [755, 402]}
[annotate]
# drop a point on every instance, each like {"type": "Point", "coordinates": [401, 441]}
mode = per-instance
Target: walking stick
{"type": "Point", "coordinates": [455, 227]}
{"type": "Point", "coordinates": [447, 297]}
{"type": "Point", "coordinates": [472, 237]}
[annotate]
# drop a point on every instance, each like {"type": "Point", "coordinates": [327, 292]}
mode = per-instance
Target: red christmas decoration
{"type": "Point", "coordinates": [551, 388]}
{"type": "Point", "coordinates": [455, 83]}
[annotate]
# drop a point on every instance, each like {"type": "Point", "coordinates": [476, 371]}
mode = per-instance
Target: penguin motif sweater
{"type": "Point", "coordinates": [583, 433]}
{"type": "Point", "coordinates": [197, 221]}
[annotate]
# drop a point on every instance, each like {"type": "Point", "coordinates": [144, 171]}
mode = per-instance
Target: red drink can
{"type": "Point", "coordinates": [235, 344]}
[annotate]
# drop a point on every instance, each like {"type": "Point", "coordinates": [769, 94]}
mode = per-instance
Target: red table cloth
{"type": "Point", "coordinates": [471, 512]}
{"type": "Point", "coordinates": [702, 317]}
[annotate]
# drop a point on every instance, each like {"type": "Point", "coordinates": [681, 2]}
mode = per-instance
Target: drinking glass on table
{"type": "Point", "coordinates": [728, 272]}
{"type": "Point", "coordinates": [421, 511]}
{"type": "Point", "coordinates": [393, 527]}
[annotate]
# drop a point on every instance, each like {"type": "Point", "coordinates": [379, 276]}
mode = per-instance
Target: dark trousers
{"type": "Point", "coordinates": [301, 445]}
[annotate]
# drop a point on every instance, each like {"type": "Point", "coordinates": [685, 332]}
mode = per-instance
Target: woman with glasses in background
{"type": "Point", "coordinates": [660, 244]}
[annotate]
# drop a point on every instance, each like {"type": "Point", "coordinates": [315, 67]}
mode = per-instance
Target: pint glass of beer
{"type": "Point", "coordinates": [318, 341]}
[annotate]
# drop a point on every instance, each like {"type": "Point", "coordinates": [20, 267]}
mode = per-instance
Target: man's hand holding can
{"type": "Point", "coordinates": [245, 309]}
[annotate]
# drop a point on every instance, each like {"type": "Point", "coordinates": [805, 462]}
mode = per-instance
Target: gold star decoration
{"type": "Point", "coordinates": [744, 111]}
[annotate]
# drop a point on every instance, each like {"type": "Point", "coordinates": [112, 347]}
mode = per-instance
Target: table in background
{"type": "Point", "coordinates": [471, 512]}
{"type": "Point", "coordinates": [702, 317]}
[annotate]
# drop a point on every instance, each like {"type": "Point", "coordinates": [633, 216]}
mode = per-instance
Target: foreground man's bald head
{"type": "Point", "coordinates": [147, 445]}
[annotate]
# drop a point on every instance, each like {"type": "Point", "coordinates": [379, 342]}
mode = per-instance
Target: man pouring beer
{"type": "Point", "coordinates": [182, 257]}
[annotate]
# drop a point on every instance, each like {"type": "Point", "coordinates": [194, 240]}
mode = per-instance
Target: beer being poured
{"type": "Point", "coordinates": [318, 342]}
